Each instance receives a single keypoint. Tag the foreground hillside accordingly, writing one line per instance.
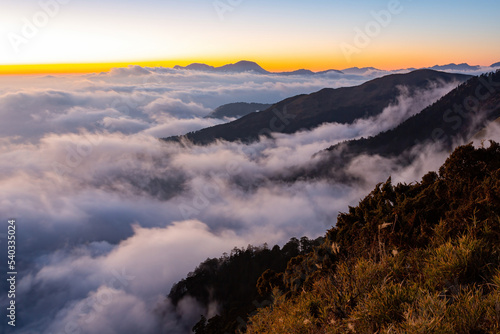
(410, 258)
(419, 258)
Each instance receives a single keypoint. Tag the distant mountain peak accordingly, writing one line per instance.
(250, 66)
(245, 63)
(302, 71)
(358, 71)
(242, 66)
(456, 67)
(195, 67)
(363, 68)
(305, 112)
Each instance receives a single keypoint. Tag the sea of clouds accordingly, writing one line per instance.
(109, 217)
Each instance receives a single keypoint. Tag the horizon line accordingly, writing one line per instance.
(99, 67)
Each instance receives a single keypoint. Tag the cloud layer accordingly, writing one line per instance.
(110, 217)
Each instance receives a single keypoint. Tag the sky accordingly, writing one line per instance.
(279, 35)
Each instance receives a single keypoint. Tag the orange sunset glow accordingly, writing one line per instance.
(43, 39)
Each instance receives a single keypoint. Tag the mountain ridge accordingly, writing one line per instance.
(243, 66)
(443, 124)
(450, 116)
(307, 111)
(237, 109)
(456, 67)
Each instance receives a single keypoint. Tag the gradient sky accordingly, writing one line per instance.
(277, 34)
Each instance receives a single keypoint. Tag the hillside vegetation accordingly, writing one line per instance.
(229, 283)
(409, 258)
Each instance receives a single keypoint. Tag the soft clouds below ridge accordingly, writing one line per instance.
(109, 217)
(135, 99)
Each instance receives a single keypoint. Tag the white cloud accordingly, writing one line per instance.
(101, 289)
(97, 193)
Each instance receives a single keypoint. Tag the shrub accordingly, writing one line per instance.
(426, 315)
(453, 263)
(382, 307)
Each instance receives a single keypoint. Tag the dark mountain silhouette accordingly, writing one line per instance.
(195, 67)
(359, 71)
(451, 118)
(329, 71)
(233, 278)
(495, 64)
(248, 66)
(455, 67)
(298, 72)
(237, 109)
(239, 67)
(242, 66)
(302, 112)
(308, 72)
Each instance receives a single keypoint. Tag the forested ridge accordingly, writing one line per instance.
(229, 283)
(342, 105)
(409, 258)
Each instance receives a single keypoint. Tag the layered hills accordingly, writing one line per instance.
(454, 118)
(304, 112)
(246, 66)
(409, 258)
(237, 110)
